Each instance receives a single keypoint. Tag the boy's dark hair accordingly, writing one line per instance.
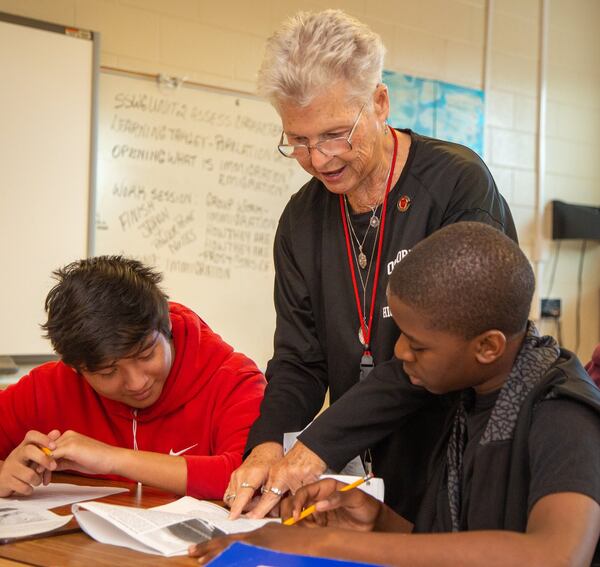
(467, 278)
(102, 309)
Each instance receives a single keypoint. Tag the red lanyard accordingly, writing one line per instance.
(366, 329)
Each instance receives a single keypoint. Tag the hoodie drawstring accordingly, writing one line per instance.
(134, 429)
(135, 445)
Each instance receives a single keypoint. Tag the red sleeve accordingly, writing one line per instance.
(17, 411)
(239, 394)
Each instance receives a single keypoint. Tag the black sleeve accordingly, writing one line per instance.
(297, 373)
(563, 450)
(475, 197)
(366, 414)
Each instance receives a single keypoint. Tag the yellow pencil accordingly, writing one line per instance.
(46, 451)
(308, 511)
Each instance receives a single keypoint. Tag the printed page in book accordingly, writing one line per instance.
(165, 530)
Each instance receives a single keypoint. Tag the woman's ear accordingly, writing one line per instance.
(381, 102)
(489, 346)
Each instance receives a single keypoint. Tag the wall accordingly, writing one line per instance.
(573, 152)
(221, 43)
(572, 171)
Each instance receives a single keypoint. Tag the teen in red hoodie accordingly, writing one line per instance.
(144, 389)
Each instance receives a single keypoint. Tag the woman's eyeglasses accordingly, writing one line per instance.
(330, 148)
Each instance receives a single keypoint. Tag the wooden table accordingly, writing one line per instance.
(78, 549)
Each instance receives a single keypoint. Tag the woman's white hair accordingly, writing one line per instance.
(313, 51)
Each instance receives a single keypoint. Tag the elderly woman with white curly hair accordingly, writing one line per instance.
(375, 193)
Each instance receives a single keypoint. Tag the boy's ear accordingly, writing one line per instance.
(489, 346)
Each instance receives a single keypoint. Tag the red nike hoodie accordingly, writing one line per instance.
(209, 401)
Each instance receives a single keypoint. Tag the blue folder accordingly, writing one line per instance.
(244, 555)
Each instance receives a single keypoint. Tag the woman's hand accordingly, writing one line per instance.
(353, 509)
(272, 536)
(80, 453)
(299, 467)
(267, 469)
(247, 480)
(27, 465)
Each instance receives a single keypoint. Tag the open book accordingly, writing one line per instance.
(164, 530)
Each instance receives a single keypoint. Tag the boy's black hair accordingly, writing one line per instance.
(467, 278)
(102, 309)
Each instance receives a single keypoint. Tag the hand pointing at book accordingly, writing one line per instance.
(266, 468)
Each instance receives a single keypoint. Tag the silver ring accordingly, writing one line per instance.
(273, 490)
(229, 497)
(247, 485)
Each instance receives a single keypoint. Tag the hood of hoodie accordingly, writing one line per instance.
(192, 367)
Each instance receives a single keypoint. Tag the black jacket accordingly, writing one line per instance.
(316, 337)
(500, 482)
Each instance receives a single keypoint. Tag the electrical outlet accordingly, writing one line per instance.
(551, 308)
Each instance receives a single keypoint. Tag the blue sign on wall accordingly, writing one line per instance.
(434, 108)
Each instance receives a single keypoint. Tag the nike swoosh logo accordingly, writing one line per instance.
(176, 454)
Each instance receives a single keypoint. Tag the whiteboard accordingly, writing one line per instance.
(190, 181)
(46, 135)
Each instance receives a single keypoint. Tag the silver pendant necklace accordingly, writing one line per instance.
(374, 222)
(364, 280)
(361, 257)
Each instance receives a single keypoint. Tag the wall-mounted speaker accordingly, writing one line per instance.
(575, 221)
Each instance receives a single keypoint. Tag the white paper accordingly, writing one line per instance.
(58, 494)
(166, 530)
(289, 439)
(16, 522)
(103, 531)
(189, 505)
